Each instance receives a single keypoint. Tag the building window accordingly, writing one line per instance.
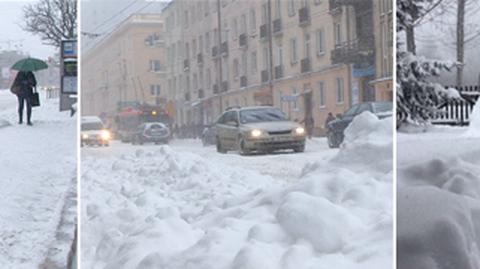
(291, 7)
(195, 82)
(295, 103)
(207, 43)
(280, 55)
(155, 65)
(206, 7)
(306, 39)
(244, 63)
(340, 91)
(235, 28)
(253, 21)
(278, 9)
(337, 33)
(200, 44)
(209, 78)
(321, 94)
(155, 90)
(265, 58)
(320, 42)
(185, 19)
(293, 51)
(243, 24)
(235, 69)
(254, 63)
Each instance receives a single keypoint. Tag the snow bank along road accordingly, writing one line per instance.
(36, 176)
(185, 206)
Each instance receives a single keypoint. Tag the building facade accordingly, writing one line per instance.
(126, 66)
(319, 57)
(383, 23)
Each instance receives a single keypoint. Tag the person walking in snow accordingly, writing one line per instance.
(23, 84)
(309, 125)
(330, 117)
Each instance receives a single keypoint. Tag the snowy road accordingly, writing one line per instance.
(186, 206)
(288, 166)
(37, 174)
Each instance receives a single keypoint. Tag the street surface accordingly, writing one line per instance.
(183, 205)
(37, 179)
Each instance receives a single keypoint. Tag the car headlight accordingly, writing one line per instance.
(106, 135)
(256, 133)
(300, 131)
(84, 136)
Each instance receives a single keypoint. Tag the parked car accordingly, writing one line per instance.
(262, 128)
(336, 128)
(153, 132)
(208, 136)
(93, 132)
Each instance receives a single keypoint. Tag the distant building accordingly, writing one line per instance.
(322, 57)
(7, 59)
(127, 65)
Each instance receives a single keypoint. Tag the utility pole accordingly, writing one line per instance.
(219, 53)
(270, 50)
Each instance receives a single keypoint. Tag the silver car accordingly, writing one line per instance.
(262, 128)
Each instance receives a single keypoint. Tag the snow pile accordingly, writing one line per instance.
(168, 209)
(438, 201)
(368, 141)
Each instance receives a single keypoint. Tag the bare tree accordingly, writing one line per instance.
(52, 20)
(460, 40)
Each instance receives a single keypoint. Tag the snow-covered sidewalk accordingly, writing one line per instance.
(185, 206)
(439, 197)
(38, 168)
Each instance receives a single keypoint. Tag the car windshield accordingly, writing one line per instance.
(383, 107)
(156, 126)
(261, 115)
(92, 126)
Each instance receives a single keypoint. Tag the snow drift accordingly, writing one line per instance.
(169, 209)
(438, 216)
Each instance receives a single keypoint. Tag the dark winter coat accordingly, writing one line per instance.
(329, 119)
(26, 82)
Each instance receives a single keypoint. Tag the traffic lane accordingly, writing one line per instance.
(284, 165)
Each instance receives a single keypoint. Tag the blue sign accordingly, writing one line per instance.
(363, 70)
(289, 98)
(69, 48)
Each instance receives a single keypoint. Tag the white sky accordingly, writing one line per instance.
(10, 18)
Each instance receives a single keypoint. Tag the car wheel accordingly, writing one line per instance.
(332, 140)
(241, 146)
(220, 148)
(299, 149)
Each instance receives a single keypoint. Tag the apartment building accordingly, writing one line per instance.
(126, 66)
(319, 57)
(383, 23)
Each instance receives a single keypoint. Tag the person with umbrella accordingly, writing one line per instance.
(24, 84)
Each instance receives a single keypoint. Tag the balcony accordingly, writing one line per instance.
(242, 40)
(263, 31)
(335, 5)
(201, 94)
(355, 51)
(224, 86)
(304, 17)
(243, 81)
(277, 27)
(186, 65)
(215, 88)
(306, 65)
(264, 75)
(200, 59)
(215, 52)
(278, 71)
(224, 48)
(187, 96)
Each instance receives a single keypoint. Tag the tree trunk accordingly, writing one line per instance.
(460, 40)
(410, 31)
